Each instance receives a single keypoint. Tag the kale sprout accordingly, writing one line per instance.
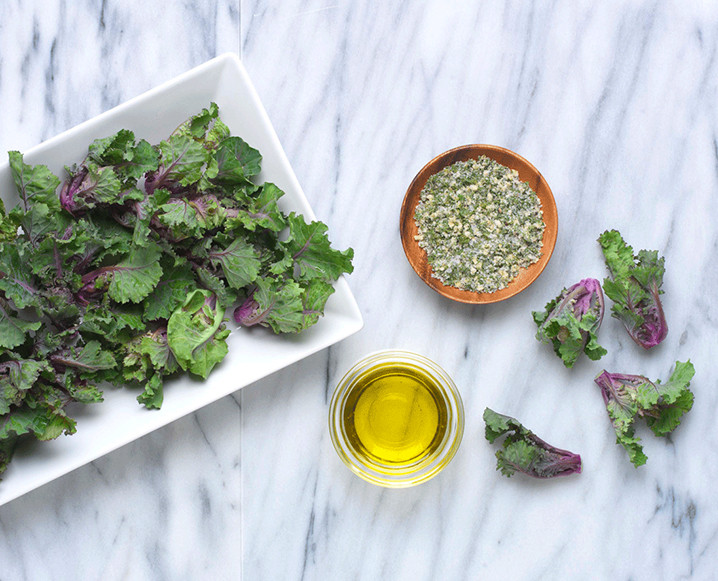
(571, 320)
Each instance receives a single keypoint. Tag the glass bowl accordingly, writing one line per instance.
(396, 418)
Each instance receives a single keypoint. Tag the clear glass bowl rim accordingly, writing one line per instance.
(411, 474)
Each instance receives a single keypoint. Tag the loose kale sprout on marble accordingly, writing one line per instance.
(661, 405)
(523, 451)
(634, 287)
(571, 320)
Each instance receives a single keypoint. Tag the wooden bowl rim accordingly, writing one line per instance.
(527, 172)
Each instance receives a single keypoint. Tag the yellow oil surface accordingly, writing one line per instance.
(395, 415)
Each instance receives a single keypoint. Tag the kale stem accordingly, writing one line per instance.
(58, 260)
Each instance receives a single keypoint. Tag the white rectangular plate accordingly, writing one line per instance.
(253, 354)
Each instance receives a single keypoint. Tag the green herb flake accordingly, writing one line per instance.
(479, 225)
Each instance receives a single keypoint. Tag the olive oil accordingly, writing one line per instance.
(396, 418)
(395, 415)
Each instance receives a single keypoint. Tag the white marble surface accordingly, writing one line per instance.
(615, 102)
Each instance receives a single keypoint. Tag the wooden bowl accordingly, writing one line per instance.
(527, 173)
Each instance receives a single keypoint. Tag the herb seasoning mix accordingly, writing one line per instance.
(479, 224)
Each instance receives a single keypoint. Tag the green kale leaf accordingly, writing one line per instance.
(631, 397)
(571, 320)
(14, 330)
(88, 358)
(34, 184)
(17, 280)
(196, 333)
(206, 127)
(311, 252)
(239, 262)
(635, 289)
(133, 278)
(8, 229)
(128, 159)
(260, 210)
(181, 162)
(171, 291)
(236, 162)
(17, 377)
(523, 451)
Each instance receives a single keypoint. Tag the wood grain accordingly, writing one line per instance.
(527, 172)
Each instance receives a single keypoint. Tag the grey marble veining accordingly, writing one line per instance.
(614, 102)
(615, 105)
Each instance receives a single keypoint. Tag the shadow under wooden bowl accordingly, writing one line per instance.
(527, 173)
